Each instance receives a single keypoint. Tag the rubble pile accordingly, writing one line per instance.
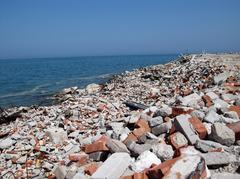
(177, 120)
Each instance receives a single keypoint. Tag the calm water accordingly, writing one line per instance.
(32, 81)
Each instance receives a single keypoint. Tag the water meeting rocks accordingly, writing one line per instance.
(172, 120)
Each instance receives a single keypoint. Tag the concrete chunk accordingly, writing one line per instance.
(113, 167)
(218, 158)
(57, 135)
(183, 125)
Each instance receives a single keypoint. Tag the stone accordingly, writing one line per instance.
(80, 175)
(191, 100)
(137, 149)
(212, 95)
(163, 151)
(116, 146)
(162, 128)
(92, 88)
(220, 78)
(188, 167)
(208, 146)
(222, 134)
(225, 175)
(165, 110)
(220, 104)
(6, 143)
(232, 115)
(134, 117)
(98, 156)
(178, 140)
(198, 114)
(56, 135)
(113, 167)
(183, 125)
(145, 160)
(218, 158)
(212, 117)
(155, 121)
(60, 172)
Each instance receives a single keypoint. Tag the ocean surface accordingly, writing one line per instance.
(25, 82)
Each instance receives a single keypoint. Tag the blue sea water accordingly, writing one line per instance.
(24, 82)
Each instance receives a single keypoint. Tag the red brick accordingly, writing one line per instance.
(91, 169)
(199, 127)
(130, 137)
(81, 158)
(186, 92)
(162, 169)
(179, 110)
(236, 128)
(143, 124)
(207, 100)
(98, 145)
(141, 175)
(236, 109)
(139, 132)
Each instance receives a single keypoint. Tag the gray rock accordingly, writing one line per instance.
(191, 100)
(60, 172)
(165, 110)
(162, 128)
(207, 145)
(92, 88)
(6, 143)
(222, 134)
(231, 114)
(98, 156)
(57, 135)
(220, 78)
(199, 114)
(80, 175)
(116, 146)
(218, 158)
(113, 167)
(183, 125)
(225, 175)
(212, 95)
(212, 117)
(155, 121)
(163, 151)
(220, 104)
(137, 149)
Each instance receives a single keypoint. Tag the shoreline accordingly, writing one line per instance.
(138, 113)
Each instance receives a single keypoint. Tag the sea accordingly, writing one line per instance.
(26, 82)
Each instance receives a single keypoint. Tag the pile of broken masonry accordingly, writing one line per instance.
(177, 120)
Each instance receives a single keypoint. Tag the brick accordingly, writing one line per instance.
(143, 124)
(159, 171)
(139, 132)
(98, 145)
(91, 169)
(236, 109)
(236, 129)
(180, 110)
(113, 167)
(81, 158)
(140, 175)
(130, 137)
(199, 127)
(207, 100)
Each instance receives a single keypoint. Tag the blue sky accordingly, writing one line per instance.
(49, 28)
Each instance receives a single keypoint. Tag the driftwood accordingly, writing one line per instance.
(135, 106)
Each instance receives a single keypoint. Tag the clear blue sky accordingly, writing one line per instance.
(48, 28)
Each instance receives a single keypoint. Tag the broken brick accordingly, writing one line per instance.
(143, 124)
(199, 127)
(207, 100)
(236, 129)
(236, 109)
(91, 169)
(81, 158)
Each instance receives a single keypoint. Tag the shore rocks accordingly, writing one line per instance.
(163, 121)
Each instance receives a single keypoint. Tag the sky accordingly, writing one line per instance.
(63, 28)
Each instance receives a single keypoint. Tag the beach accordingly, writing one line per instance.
(178, 119)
